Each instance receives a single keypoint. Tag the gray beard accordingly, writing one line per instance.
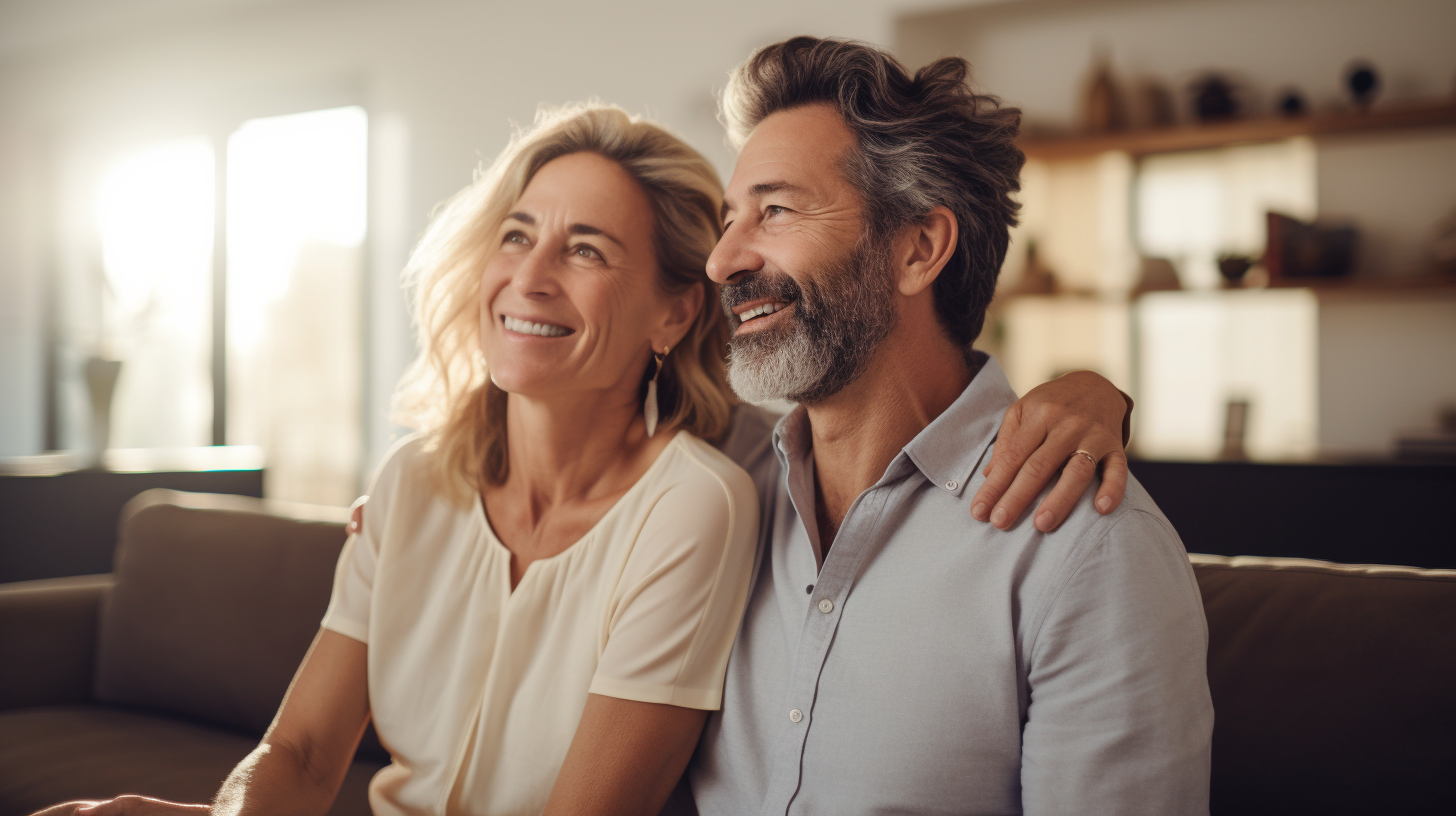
(843, 312)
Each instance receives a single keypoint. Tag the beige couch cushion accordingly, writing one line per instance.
(1334, 686)
(216, 600)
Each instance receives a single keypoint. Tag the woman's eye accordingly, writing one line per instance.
(515, 237)
(584, 251)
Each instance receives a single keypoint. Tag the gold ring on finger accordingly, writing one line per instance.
(1089, 456)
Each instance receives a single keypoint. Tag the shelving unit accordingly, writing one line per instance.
(1141, 142)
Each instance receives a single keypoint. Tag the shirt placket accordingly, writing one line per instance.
(836, 578)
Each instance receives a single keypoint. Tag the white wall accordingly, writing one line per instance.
(440, 80)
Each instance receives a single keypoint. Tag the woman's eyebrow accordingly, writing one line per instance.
(574, 229)
(587, 229)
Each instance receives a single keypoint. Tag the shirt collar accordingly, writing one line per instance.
(950, 448)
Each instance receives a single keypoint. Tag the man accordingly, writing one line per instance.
(893, 656)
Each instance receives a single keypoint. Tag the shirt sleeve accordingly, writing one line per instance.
(348, 612)
(676, 611)
(1119, 718)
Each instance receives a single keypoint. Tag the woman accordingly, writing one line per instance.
(538, 614)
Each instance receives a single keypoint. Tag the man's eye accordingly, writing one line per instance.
(774, 209)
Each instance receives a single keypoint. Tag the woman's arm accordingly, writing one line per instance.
(299, 765)
(1040, 437)
(626, 757)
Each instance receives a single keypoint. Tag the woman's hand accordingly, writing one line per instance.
(356, 516)
(1041, 435)
(124, 806)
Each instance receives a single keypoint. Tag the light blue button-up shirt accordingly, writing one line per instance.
(933, 664)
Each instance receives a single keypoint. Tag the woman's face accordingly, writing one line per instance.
(570, 300)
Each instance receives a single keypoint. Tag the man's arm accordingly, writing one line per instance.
(1119, 718)
(1044, 434)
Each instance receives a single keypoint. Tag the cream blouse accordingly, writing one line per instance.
(477, 690)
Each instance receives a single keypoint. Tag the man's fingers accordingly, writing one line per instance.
(1076, 475)
(1114, 482)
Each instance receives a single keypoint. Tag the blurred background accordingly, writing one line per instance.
(1242, 212)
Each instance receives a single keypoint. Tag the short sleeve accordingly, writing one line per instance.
(348, 612)
(676, 610)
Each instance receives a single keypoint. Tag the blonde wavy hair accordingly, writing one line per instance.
(447, 393)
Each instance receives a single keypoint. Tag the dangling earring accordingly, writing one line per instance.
(649, 409)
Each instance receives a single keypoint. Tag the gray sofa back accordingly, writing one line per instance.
(216, 600)
(1334, 686)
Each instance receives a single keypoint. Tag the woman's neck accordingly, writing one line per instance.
(573, 447)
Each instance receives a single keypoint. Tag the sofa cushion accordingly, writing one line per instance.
(216, 600)
(51, 755)
(1332, 685)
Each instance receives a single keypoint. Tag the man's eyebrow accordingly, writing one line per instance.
(763, 189)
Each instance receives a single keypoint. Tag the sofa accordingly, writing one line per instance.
(1334, 685)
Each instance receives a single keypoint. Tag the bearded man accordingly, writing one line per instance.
(893, 657)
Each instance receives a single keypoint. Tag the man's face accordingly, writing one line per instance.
(808, 293)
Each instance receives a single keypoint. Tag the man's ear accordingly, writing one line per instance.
(923, 249)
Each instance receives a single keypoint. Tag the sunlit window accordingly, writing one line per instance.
(1191, 207)
(296, 220)
(155, 212)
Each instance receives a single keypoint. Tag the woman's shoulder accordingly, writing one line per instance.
(697, 466)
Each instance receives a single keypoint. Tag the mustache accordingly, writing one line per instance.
(759, 286)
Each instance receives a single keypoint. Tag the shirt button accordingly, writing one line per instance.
(826, 606)
(950, 485)
(796, 715)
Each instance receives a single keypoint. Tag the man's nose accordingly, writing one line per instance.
(733, 255)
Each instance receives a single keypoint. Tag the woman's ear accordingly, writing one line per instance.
(683, 309)
(923, 249)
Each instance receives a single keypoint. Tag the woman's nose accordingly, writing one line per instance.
(536, 275)
(733, 254)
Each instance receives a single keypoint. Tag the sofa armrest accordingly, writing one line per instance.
(48, 639)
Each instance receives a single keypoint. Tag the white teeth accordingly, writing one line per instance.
(538, 329)
(765, 309)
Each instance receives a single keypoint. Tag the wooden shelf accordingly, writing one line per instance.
(1203, 137)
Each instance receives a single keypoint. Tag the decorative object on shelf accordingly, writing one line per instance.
(1214, 99)
(1156, 275)
(1363, 82)
(1102, 105)
(1442, 248)
(1235, 426)
(1036, 277)
(101, 375)
(1155, 105)
(1233, 267)
(1291, 103)
(1297, 250)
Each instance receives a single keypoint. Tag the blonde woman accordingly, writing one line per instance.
(539, 613)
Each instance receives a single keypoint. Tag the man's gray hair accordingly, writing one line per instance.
(924, 141)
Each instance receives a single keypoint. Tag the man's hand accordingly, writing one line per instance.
(124, 806)
(1040, 436)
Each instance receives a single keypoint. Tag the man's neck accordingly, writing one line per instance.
(913, 377)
